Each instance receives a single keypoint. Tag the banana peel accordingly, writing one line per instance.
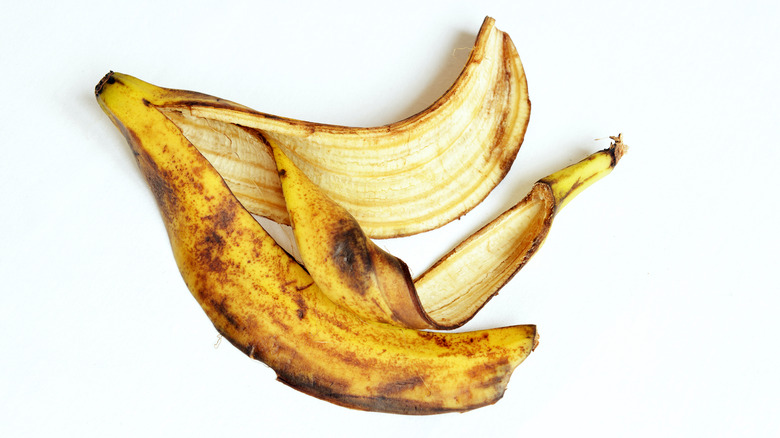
(457, 286)
(212, 163)
(355, 273)
(397, 180)
(267, 305)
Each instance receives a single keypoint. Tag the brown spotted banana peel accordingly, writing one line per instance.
(396, 180)
(268, 306)
(355, 273)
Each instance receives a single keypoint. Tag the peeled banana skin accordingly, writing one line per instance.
(268, 306)
(235, 140)
(396, 180)
(456, 287)
(345, 327)
(355, 273)
(347, 265)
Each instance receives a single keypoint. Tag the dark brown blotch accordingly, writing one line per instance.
(157, 179)
(209, 253)
(221, 307)
(105, 80)
(351, 254)
(440, 340)
(222, 219)
(492, 368)
(302, 307)
(400, 385)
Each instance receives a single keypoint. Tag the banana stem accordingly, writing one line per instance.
(567, 183)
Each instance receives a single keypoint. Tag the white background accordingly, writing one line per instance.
(655, 294)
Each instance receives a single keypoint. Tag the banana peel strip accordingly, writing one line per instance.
(355, 273)
(397, 180)
(461, 282)
(251, 150)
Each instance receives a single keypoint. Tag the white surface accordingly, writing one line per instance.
(655, 294)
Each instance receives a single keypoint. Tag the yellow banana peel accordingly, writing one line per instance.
(396, 180)
(349, 326)
(267, 305)
(461, 282)
(355, 273)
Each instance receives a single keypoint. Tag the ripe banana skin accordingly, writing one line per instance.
(396, 180)
(461, 282)
(347, 265)
(355, 273)
(268, 306)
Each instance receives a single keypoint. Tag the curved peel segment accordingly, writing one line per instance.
(461, 282)
(396, 180)
(346, 265)
(349, 267)
(456, 287)
(268, 306)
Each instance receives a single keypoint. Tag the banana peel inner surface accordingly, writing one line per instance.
(267, 305)
(354, 272)
(400, 179)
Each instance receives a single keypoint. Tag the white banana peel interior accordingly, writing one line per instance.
(355, 273)
(396, 180)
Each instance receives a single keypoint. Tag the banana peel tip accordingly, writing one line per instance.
(107, 79)
(618, 148)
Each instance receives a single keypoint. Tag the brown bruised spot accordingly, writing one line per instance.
(499, 367)
(351, 358)
(210, 249)
(106, 80)
(300, 288)
(220, 306)
(350, 254)
(156, 178)
(222, 219)
(302, 307)
(300, 301)
(195, 178)
(441, 341)
(400, 385)
(209, 253)
(215, 231)
(250, 321)
(163, 193)
(497, 381)
(282, 173)
(214, 239)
